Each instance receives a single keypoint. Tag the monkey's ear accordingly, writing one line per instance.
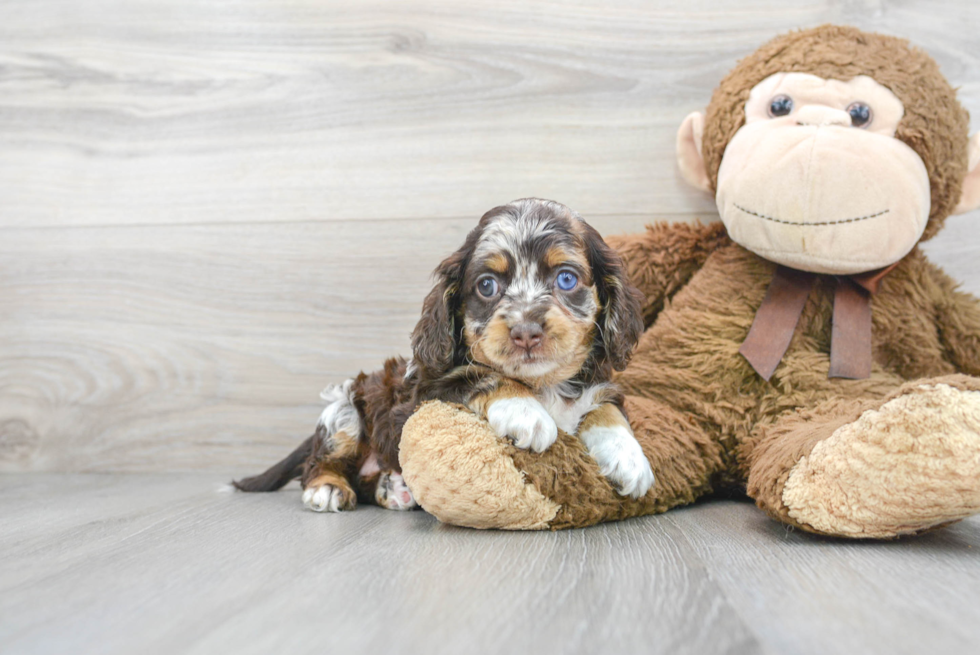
(970, 197)
(689, 158)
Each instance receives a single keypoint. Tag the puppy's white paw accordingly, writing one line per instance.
(328, 498)
(523, 420)
(620, 459)
(393, 493)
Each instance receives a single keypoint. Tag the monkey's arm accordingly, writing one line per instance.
(958, 320)
(662, 259)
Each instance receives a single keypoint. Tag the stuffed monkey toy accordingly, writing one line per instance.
(803, 349)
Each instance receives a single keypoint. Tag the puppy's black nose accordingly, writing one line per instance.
(526, 335)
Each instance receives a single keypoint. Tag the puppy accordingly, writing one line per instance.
(524, 326)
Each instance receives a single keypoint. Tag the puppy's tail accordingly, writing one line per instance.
(278, 474)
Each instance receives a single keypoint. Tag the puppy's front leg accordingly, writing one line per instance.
(514, 412)
(610, 441)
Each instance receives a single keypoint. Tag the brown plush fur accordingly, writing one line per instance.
(661, 260)
(704, 417)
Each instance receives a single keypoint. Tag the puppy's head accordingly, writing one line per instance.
(534, 293)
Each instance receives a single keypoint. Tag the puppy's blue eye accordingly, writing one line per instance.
(487, 287)
(566, 280)
(780, 106)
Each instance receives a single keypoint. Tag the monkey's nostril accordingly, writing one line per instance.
(526, 335)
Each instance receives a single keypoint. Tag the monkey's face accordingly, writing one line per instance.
(828, 175)
(816, 179)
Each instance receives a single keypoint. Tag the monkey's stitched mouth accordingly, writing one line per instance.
(837, 222)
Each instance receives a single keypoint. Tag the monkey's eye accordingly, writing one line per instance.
(566, 280)
(860, 114)
(487, 286)
(780, 106)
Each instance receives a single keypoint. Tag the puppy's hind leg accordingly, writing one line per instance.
(393, 493)
(384, 487)
(333, 460)
(326, 485)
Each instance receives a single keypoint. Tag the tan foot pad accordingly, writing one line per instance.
(460, 472)
(912, 464)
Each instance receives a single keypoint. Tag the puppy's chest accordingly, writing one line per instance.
(568, 412)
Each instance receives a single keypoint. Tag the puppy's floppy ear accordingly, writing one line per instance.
(621, 317)
(437, 335)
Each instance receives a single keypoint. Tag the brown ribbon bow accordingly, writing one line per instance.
(776, 319)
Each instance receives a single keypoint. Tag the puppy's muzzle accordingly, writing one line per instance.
(526, 336)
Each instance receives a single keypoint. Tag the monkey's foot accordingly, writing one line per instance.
(909, 465)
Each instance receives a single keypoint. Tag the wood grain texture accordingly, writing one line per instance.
(135, 112)
(117, 563)
(916, 595)
(210, 211)
(162, 564)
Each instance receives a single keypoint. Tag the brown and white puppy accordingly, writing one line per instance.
(525, 325)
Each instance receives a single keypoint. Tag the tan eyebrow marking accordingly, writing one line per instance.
(497, 263)
(556, 256)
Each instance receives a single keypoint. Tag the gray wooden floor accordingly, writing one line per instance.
(161, 563)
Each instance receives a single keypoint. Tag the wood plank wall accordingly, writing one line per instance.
(209, 210)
